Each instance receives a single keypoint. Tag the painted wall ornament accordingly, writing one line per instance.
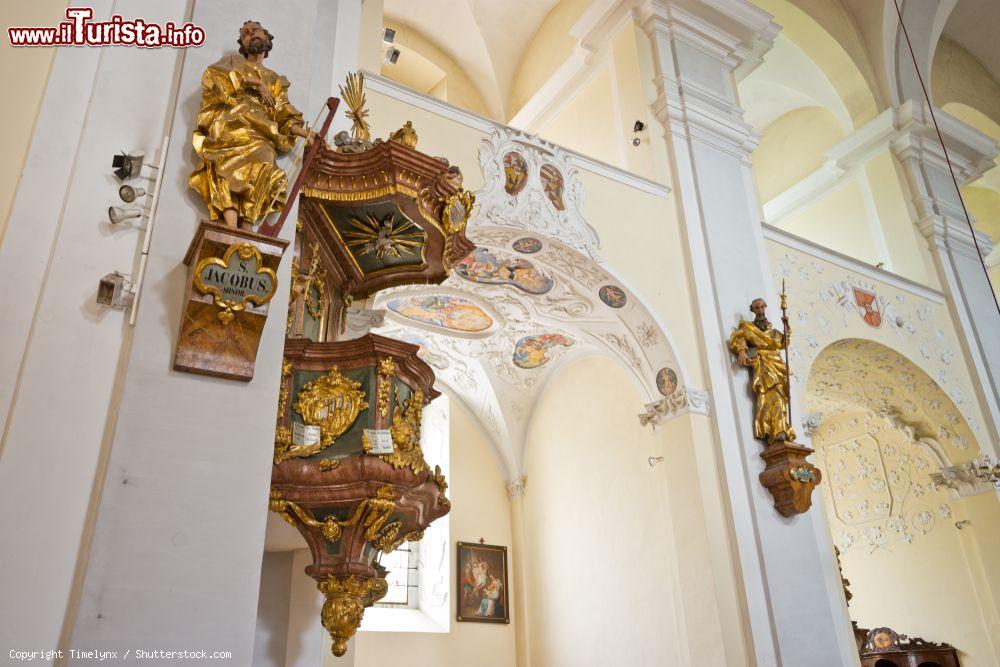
(613, 296)
(535, 351)
(758, 346)
(869, 307)
(548, 202)
(445, 311)
(245, 120)
(527, 245)
(485, 266)
(666, 381)
(515, 171)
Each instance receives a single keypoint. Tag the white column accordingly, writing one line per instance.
(941, 219)
(794, 617)
(61, 357)
(179, 534)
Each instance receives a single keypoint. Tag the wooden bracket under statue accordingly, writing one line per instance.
(789, 478)
(232, 276)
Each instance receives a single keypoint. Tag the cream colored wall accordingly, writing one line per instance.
(793, 147)
(839, 221)
(926, 577)
(598, 541)
(641, 243)
(588, 122)
(550, 46)
(956, 76)
(24, 72)
(825, 31)
(480, 508)
(460, 89)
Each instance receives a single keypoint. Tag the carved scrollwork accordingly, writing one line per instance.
(332, 402)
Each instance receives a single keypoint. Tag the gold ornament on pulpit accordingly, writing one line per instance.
(349, 470)
(788, 476)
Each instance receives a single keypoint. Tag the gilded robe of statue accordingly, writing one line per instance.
(770, 378)
(237, 137)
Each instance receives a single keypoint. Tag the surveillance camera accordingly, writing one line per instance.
(639, 126)
(388, 35)
(391, 56)
(115, 291)
(129, 194)
(120, 214)
(127, 165)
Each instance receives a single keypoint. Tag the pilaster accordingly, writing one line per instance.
(959, 252)
(179, 531)
(789, 612)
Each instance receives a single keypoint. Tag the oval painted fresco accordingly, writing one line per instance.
(445, 311)
(553, 182)
(666, 381)
(483, 266)
(613, 296)
(515, 171)
(527, 245)
(534, 351)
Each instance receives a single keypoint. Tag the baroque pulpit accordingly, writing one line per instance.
(349, 472)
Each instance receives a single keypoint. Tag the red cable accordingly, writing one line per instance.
(947, 158)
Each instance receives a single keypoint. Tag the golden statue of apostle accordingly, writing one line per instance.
(245, 120)
(758, 346)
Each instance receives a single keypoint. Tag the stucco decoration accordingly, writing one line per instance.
(861, 374)
(879, 491)
(915, 323)
(492, 373)
(547, 199)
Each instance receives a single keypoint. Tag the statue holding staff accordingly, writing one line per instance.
(758, 346)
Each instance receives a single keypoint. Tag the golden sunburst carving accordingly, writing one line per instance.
(382, 237)
(353, 95)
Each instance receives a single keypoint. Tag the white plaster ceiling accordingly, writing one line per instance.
(975, 24)
(570, 293)
(788, 79)
(486, 38)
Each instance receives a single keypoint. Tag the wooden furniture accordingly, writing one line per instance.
(883, 647)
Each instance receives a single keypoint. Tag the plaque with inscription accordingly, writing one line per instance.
(231, 280)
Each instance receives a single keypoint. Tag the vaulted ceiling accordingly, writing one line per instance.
(486, 37)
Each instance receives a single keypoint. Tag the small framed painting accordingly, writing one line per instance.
(482, 583)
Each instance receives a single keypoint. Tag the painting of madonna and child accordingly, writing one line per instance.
(482, 583)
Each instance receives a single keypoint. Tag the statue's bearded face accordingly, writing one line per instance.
(759, 308)
(254, 39)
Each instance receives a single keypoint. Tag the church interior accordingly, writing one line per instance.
(524, 333)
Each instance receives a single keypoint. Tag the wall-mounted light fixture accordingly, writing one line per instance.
(653, 460)
(391, 55)
(129, 194)
(388, 35)
(120, 214)
(115, 291)
(127, 165)
(638, 127)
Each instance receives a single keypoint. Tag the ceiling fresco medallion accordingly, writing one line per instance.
(448, 312)
(553, 182)
(869, 307)
(533, 351)
(515, 170)
(483, 266)
(527, 245)
(613, 296)
(666, 381)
